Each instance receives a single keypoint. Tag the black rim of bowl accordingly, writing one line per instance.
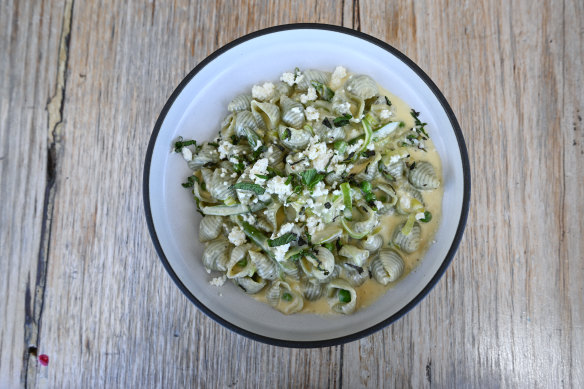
(378, 326)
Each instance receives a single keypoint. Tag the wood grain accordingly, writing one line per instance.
(79, 278)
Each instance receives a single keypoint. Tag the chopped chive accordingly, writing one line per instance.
(342, 120)
(248, 186)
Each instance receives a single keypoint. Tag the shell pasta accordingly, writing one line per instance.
(320, 191)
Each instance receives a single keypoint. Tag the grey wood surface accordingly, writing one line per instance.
(81, 85)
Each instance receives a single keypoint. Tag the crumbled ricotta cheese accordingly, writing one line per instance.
(354, 147)
(224, 148)
(342, 108)
(261, 168)
(371, 146)
(288, 78)
(262, 92)
(318, 153)
(280, 251)
(258, 145)
(311, 113)
(313, 225)
(237, 236)
(286, 228)
(277, 186)
(248, 218)
(394, 159)
(378, 204)
(218, 281)
(337, 77)
(320, 190)
(385, 114)
(187, 154)
(309, 96)
(420, 216)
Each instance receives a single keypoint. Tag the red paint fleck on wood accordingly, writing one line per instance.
(44, 359)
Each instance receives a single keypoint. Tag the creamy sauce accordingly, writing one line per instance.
(371, 290)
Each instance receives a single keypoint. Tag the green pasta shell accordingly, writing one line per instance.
(387, 267)
(332, 293)
(292, 112)
(216, 254)
(423, 176)
(310, 75)
(210, 227)
(410, 242)
(250, 285)
(239, 103)
(362, 86)
(269, 113)
(266, 267)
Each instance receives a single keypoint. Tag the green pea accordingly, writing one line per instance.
(287, 296)
(344, 296)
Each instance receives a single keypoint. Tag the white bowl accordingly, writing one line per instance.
(195, 109)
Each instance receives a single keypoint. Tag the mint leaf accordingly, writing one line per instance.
(258, 190)
(282, 240)
(342, 120)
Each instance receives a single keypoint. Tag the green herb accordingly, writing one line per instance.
(427, 217)
(367, 191)
(258, 152)
(288, 180)
(340, 146)
(238, 167)
(311, 177)
(179, 144)
(419, 124)
(381, 170)
(248, 186)
(327, 123)
(344, 296)
(282, 240)
(286, 134)
(342, 120)
(203, 186)
(387, 101)
(213, 144)
(402, 124)
(329, 246)
(234, 139)
(242, 263)
(286, 296)
(262, 176)
(190, 182)
(323, 90)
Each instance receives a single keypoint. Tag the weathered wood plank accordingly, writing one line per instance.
(509, 311)
(29, 39)
(112, 315)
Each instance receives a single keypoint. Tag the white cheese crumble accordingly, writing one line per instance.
(224, 149)
(420, 216)
(378, 204)
(262, 92)
(313, 225)
(288, 78)
(342, 108)
(309, 96)
(337, 77)
(354, 147)
(261, 168)
(237, 236)
(311, 113)
(385, 114)
(318, 153)
(280, 251)
(187, 154)
(277, 186)
(371, 146)
(218, 281)
(320, 190)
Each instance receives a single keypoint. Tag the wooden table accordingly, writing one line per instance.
(81, 85)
